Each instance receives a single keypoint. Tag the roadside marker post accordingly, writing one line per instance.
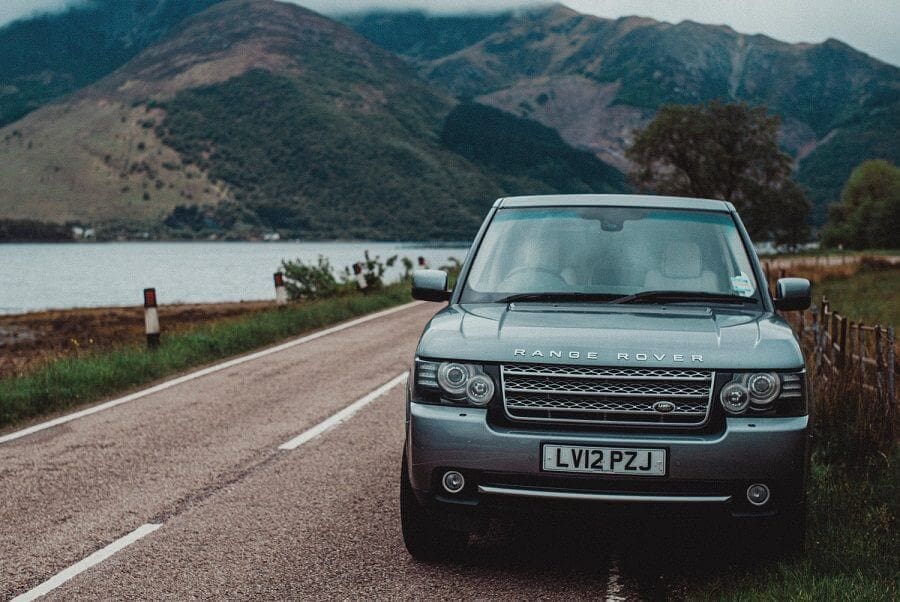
(360, 277)
(280, 291)
(151, 318)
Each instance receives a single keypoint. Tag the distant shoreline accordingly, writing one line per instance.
(425, 244)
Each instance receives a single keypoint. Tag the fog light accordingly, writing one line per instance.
(453, 481)
(757, 494)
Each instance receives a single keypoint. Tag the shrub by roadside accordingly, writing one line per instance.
(311, 280)
(317, 280)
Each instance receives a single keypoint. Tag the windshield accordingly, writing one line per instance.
(605, 253)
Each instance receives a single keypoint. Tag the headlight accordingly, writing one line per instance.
(781, 394)
(454, 382)
(453, 378)
(735, 397)
(764, 387)
(480, 390)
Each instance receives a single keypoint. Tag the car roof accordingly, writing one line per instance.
(613, 200)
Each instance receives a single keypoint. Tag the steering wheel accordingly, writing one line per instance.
(546, 271)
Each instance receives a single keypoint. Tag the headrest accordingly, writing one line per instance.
(534, 254)
(681, 259)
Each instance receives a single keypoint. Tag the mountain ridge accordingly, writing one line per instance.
(54, 54)
(255, 116)
(596, 80)
(127, 150)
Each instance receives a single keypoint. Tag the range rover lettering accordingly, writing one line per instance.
(606, 354)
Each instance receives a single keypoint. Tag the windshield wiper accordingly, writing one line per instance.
(561, 296)
(682, 296)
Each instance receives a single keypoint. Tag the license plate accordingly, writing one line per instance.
(605, 460)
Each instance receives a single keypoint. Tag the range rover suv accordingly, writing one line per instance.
(606, 354)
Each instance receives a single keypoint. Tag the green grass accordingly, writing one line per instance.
(831, 252)
(870, 296)
(852, 549)
(78, 380)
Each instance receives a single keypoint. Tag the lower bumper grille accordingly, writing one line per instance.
(617, 396)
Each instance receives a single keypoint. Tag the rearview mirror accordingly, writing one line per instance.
(792, 294)
(430, 285)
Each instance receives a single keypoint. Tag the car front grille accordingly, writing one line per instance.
(598, 395)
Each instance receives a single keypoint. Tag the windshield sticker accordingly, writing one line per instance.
(742, 285)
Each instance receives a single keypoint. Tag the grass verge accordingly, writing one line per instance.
(852, 549)
(869, 296)
(73, 381)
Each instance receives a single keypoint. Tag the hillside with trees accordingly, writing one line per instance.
(596, 81)
(258, 116)
(235, 118)
(54, 54)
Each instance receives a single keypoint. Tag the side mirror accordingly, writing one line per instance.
(430, 285)
(792, 294)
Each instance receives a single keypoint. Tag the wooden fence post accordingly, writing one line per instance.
(891, 392)
(801, 326)
(814, 326)
(861, 350)
(848, 357)
(842, 342)
(820, 333)
(879, 364)
(833, 337)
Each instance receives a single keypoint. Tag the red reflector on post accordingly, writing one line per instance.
(357, 268)
(149, 297)
(279, 279)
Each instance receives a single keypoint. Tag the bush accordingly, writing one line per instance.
(452, 268)
(310, 281)
(372, 270)
(317, 280)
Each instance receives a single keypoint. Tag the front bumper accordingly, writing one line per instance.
(706, 472)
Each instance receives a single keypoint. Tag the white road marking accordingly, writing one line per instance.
(344, 415)
(83, 565)
(614, 590)
(200, 373)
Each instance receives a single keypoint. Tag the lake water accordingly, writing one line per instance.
(56, 276)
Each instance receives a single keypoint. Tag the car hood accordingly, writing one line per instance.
(611, 335)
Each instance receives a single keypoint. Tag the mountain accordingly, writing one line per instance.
(596, 80)
(54, 54)
(254, 115)
(422, 36)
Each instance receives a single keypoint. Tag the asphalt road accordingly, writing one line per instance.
(240, 518)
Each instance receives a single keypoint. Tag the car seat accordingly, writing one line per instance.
(681, 269)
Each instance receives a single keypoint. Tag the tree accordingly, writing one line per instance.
(869, 210)
(728, 152)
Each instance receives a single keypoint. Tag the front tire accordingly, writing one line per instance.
(424, 537)
(789, 533)
(783, 537)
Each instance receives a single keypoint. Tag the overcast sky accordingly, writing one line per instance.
(872, 26)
